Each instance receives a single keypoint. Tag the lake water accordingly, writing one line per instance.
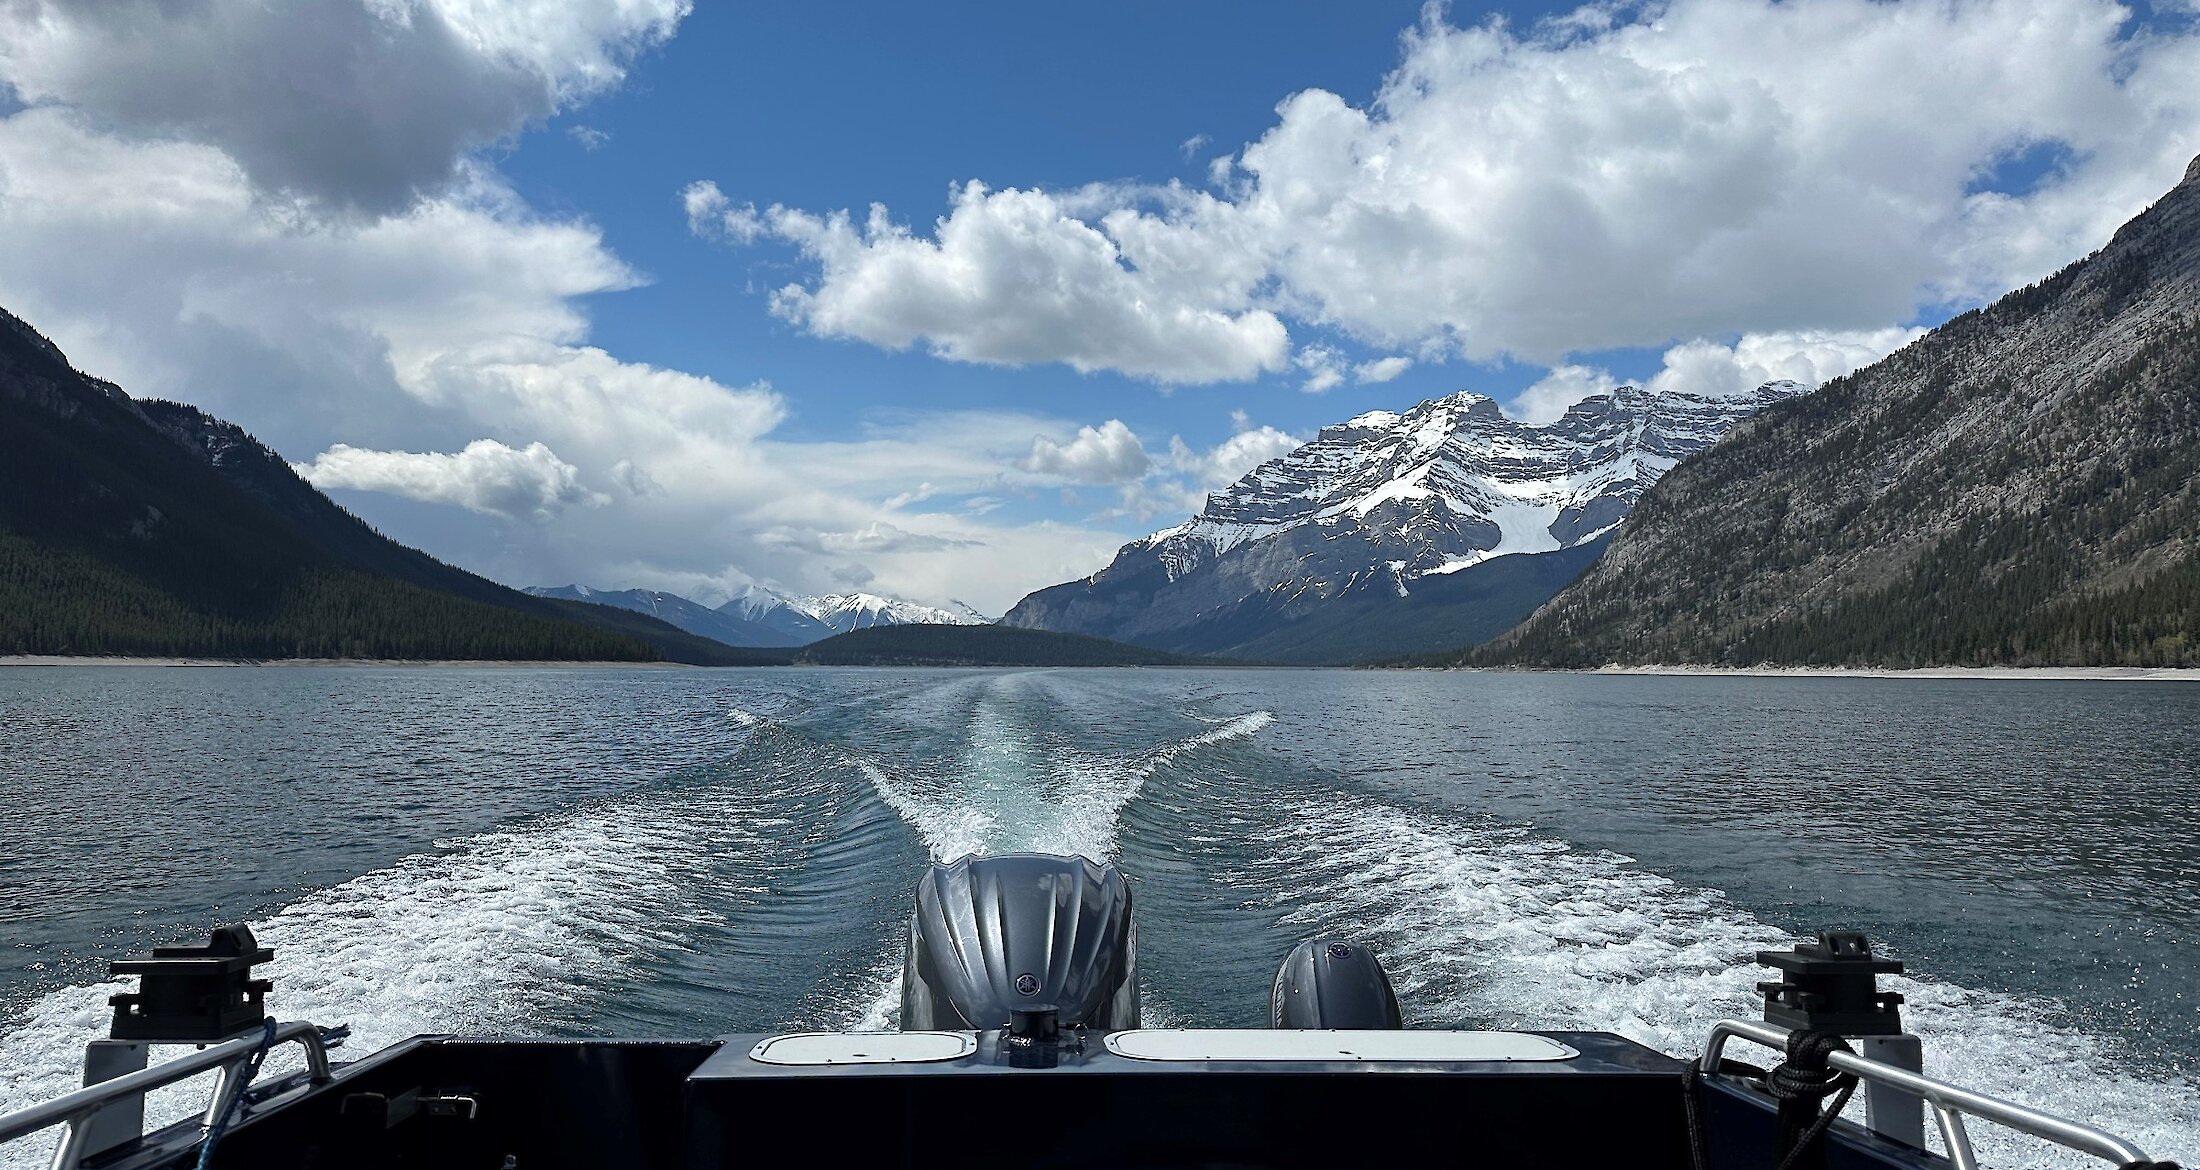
(685, 853)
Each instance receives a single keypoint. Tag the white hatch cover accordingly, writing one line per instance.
(1248, 1044)
(818, 1048)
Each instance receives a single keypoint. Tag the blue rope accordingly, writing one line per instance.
(236, 1097)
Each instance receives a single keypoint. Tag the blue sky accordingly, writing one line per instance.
(556, 290)
(895, 104)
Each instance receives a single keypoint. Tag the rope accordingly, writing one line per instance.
(1692, 1075)
(1804, 1075)
(1818, 1128)
(1799, 1083)
(236, 1097)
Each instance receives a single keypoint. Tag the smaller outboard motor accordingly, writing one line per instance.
(1003, 941)
(1330, 983)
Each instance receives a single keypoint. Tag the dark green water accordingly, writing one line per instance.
(692, 852)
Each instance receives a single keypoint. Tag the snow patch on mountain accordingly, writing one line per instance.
(861, 611)
(1454, 482)
(1396, 531)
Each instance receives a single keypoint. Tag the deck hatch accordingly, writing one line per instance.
(824, 1048)
(1231, 1044)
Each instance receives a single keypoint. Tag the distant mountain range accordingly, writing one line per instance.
(774, 619)
(761, 618)
(861, 611)
(744, 621)
(2020, 486)
(1440, 526)
(150, 528)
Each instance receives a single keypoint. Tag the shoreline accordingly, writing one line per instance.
(1990, 673)
(43, 660)
(2038, 673)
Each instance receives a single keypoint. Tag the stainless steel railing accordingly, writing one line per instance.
(225, 1059)
(1950, 1103)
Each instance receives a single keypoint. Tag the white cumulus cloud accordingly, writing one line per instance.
(1381, 370)
(1228, 461)
(1179, 484)
(1108, 453)
(1612, 178)
(1016, 277)
(155, 262)
(711, 215)
(357, 103)
(529, 483)
(1810, 358)
(1324, 368)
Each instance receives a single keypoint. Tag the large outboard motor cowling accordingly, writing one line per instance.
(1332, 983)
(1021, 932)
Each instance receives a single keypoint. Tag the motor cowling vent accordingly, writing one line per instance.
(992, 936)
(1332, 983)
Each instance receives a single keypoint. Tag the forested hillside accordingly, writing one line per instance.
(2021, 486)
(149, 528)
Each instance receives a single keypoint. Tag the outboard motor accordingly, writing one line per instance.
(1331, 983)
(1021, 934)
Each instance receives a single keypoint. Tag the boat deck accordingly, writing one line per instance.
(985, 1101)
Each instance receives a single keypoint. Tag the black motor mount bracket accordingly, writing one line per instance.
(194, 995)
(1832, 985)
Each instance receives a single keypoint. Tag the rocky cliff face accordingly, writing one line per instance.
(2022, 485)
(1379, 503)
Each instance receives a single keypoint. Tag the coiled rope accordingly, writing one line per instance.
(1799, 1083)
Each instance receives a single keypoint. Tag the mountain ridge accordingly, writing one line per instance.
(146, 527)
(1384, 504)
(2021, 486)
(845, 612)
(763, 618)
(782, 616)
(727, 624)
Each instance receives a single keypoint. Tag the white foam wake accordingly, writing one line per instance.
(1007, 794)
(1492, 927)
(500, 933)
(1010, 796)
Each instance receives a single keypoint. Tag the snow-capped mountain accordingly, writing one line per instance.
(1453, 481)
(860, 611)
(724, 624)
(1389, 502)
(777, 614)
(756, 616)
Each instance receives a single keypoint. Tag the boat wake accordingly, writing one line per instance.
(770, 889)
(1011, 790)
(1487, 925)
(1010, 794)
(492, 935)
